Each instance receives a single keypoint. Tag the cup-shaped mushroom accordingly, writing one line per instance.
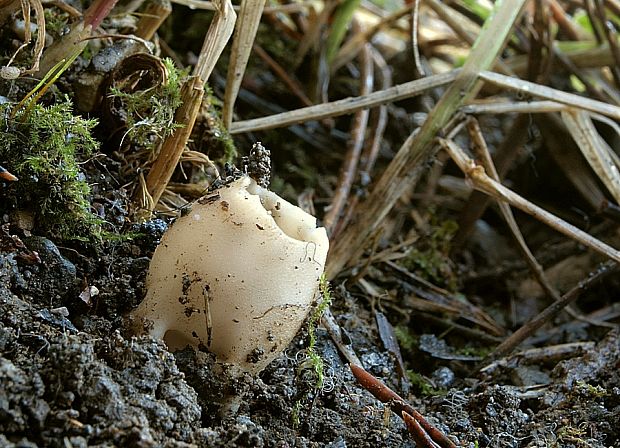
(237, 275)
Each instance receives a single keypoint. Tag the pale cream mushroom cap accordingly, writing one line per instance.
(237, 275)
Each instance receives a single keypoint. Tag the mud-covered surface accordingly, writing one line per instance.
(70, 376)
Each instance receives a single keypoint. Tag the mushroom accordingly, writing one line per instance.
(237, 275)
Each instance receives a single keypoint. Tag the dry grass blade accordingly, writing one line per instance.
(173, 146)
(213, 6)
(512, 107)
(191, 98)
(216, 39)
(245, 32)
(590, 57)
(403, 171)
(487, 185)
(597, 152)
(549, 93)
(40, 42)
(345, 106)
(484, 155)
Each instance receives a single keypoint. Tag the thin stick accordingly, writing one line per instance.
(346, 105)
(4, 174)
(487, 185)
(534, 89)
(550, 312)
(419, 436)
(284, 76)
(329, 322)
(213, 6)
(217, 36)
(415, 21)
(511, 107)
(356, 142)
(483, 153)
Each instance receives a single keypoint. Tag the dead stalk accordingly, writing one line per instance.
(549, 93)
(484, 183)
(355, 144)
(191, 97)
(172, 148)
(245, 31)
(345, 106)
(550, 312)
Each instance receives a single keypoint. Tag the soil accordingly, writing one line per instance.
(70, 376)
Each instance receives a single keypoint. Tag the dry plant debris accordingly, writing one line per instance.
(463, 156)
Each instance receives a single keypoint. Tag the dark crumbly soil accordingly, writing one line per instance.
(71, 377)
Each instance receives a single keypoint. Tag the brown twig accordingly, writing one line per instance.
(551, 311)
(419, 436)
(284, 76)
(172, 148)
(4, 174)
(356, 141)
(192, 93)
(483, 182)
(386, 395)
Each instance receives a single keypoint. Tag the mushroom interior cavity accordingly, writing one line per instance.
(237, 275)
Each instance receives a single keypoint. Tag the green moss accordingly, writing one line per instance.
(56, 22)
(42, 147)
(405, 338)
(313, 361)
(589, 390)
(422, 386)
(480, 352)
(296, 414)
(215, 139)
(430, 258)
(149, 113)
